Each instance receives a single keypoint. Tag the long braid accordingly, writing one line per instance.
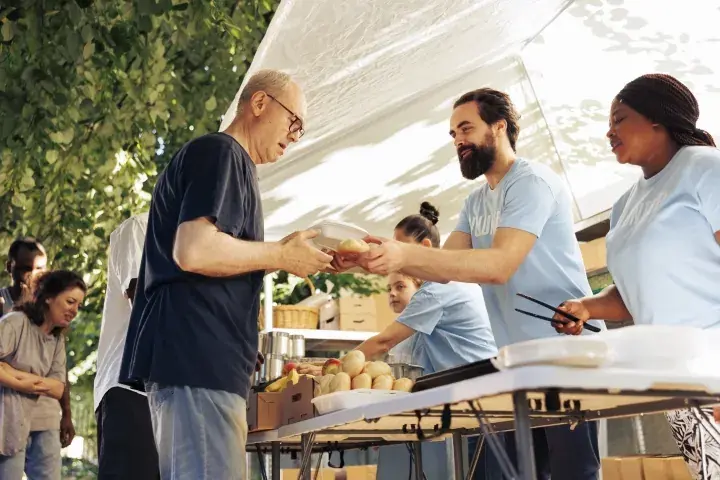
(665, 100)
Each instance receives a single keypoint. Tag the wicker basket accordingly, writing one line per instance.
(293, 316)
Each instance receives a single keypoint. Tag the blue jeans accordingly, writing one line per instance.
(200, 434)
(39, 461)
(567, 454)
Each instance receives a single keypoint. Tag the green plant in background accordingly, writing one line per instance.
(96, 96)
(289, 290)
(73, 469)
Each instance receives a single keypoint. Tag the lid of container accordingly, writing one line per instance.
(278, 334)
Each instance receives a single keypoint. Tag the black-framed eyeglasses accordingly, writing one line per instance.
(296, 125)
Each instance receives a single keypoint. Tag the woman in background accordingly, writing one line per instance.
(663, 248)
(33, 364)
(447, 325)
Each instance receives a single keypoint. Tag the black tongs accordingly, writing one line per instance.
(569, 316)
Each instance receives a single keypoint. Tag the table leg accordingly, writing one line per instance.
(476, 458)
(418, 461)
(275, 461)
(457, 444)
(523, 437)
(306, 443)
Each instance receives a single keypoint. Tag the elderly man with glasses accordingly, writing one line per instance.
(192, 340)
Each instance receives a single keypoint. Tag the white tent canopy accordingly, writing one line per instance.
(381, 76)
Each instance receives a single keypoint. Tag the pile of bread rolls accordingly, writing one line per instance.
(352, 372)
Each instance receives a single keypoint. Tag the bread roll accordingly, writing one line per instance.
(403, 385)
(377, 368)
(383, 382)
(362, 381)
(340, 383)
(352, 245)
(353, 363)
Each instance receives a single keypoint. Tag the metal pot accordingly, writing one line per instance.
(277, 343)
(406, 370)
(297, 346)
(271, 369)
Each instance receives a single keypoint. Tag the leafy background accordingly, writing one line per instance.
(95, 97)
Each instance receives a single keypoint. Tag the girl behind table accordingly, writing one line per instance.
(446, 325)
(32, 364)
(663, 247)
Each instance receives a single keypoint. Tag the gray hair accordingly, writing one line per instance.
(270, 81)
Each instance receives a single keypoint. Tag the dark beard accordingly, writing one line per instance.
(478, 162)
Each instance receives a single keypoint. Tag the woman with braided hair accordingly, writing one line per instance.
(663, 248)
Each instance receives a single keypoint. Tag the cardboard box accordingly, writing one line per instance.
(360, 472)
(631, 468)
(385, 315)
(679, 470)
(264, 411)
(650, 467)
(297, 401)
(594, 254)
(666, 467)
(292, 474)
(610, 467)
(333, 323)
(358, 314)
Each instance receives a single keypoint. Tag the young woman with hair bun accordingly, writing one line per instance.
(443, 326)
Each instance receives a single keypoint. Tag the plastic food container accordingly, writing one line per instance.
(566, 351)
(332, 233)
(333, 402)
(666, 348)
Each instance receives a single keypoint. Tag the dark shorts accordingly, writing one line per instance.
(126, 447)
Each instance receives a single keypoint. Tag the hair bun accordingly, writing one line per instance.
(428, 211)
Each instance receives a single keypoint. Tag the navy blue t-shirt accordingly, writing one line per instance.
(188, 329)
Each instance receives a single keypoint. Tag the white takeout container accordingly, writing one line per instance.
(665, 348)
(659, 348)
(332, 233)
(332, 402)
(569, 351)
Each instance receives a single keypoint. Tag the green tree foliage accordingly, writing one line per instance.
(95, 97)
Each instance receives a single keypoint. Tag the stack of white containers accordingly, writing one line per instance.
(670, 349)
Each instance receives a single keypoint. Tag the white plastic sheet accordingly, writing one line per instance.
(380, 77)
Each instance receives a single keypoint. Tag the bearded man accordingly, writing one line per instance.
(515, 235)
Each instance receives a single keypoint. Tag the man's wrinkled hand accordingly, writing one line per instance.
(301, 258)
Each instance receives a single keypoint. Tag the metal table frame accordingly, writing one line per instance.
(531, 397)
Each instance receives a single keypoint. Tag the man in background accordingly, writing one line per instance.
(51, 423)
(126, 447)
(26, 257)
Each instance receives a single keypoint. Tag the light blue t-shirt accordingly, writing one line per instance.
(661, 249)
(532, 198)
(451, 325)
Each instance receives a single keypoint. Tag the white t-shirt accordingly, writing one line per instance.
(126, 247)
(661, 248)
